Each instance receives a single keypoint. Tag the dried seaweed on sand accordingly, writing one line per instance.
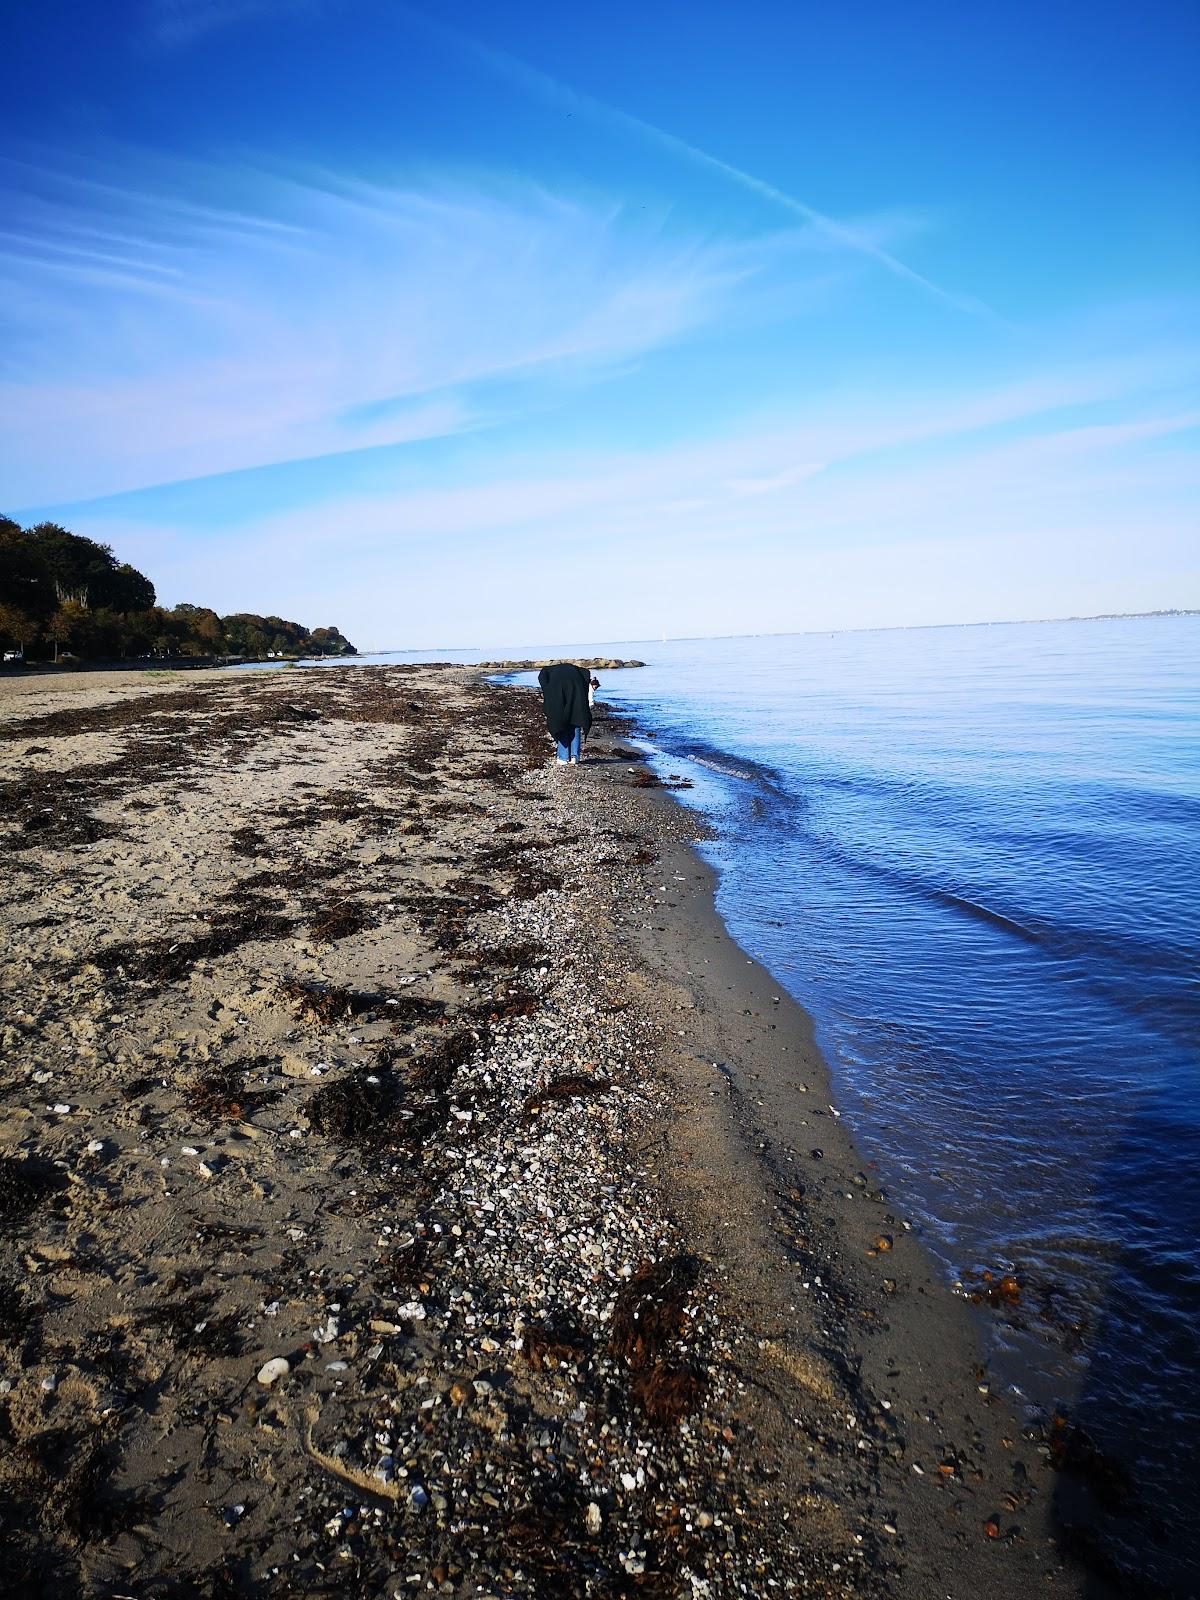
(650, 1310)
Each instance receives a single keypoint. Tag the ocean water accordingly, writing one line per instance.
(973, 854)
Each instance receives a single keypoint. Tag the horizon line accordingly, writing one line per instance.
(810, 633)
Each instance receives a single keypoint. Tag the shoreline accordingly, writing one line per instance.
(831, 1260)
(544, 1129)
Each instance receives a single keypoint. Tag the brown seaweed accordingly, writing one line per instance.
(649, 1313)
(571, 1086)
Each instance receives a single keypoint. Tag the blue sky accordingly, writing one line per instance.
(490, 323)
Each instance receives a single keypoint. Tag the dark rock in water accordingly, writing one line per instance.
(593, 664)
(997, 1291)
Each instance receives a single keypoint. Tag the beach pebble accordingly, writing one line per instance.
(190, 1150)
(328, 1332)
(95, 1146)
(61, 1109)
(418, 1497)
(411, 1311)
(592, 1518)
(271, 1371)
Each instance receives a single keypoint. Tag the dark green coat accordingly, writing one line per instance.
(565, 699)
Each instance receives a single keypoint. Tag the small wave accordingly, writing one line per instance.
(974, 908)
(686, 747)
(723, 768)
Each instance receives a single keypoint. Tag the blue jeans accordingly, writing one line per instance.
(567, 751)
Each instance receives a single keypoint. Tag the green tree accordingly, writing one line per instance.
(17, 627)
(67, 621)
(125, 589)
(26, 581)
(205, 627)
(76, 564)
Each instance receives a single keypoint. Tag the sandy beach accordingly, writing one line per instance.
(409, 1187)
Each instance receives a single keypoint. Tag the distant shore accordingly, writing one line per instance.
(348, 1034)
(156, 664)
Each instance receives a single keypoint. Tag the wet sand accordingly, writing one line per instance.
(343, 1031)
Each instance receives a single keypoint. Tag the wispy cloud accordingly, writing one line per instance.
(180, 22)
(158, 332)
(889, 507)
(843, 234)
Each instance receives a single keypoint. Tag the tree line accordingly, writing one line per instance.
(63, 594)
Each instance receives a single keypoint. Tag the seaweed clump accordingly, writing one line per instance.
(360, 1109)
(325, 1002)
(162, 961)
(648, 1318)
(25, 1185)
(507, 1007)
(338, 920)
(668, 1392)
(51, 810)
(550, 1343)
(571, 1086)
(221, 1095)
(650, 1310)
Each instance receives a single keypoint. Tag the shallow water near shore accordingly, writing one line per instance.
(972, 854)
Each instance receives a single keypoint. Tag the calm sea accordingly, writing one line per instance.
(973, 854)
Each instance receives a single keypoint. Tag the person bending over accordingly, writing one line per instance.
(568, 714)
